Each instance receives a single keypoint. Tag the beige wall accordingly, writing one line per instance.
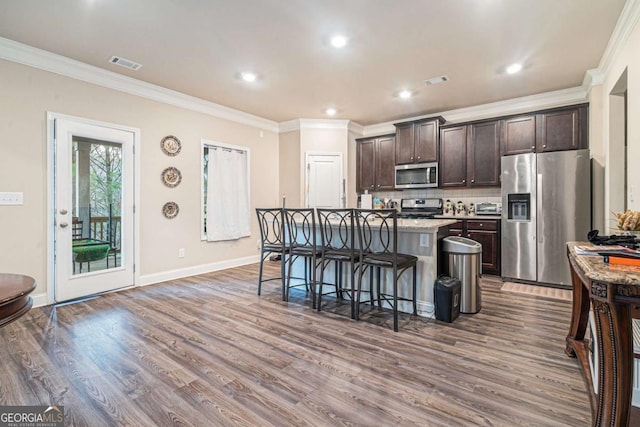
(290, 168)
(628, 59)
(27, 95)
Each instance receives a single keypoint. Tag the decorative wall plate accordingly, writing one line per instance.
(170, 145)
(170, 210)
(171, 176)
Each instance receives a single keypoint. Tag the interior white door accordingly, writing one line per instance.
(94, 195)
(325, 184)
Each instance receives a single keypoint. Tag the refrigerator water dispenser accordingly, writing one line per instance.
(519, 206)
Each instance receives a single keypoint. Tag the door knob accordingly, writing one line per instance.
(63, 225)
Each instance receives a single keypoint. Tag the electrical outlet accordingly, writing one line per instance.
(424, 240)
(259, 243)
(181, 253)
(11, 198)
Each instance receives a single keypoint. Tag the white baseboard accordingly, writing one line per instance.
(164, 276)
(40, 300)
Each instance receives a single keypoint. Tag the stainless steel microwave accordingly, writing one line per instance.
(420, 175)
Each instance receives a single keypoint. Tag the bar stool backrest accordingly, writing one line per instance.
(301, 227)
(337, 229)
(377, 231)
(272, 228)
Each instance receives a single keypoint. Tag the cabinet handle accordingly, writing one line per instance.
(459, 234)
(468, 235)
(533, 148)
(464, 181)
(473, 180)
(544, 146)
(418, 157)
(412, 157)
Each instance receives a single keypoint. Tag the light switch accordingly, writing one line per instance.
(11, 198)
(424, 240)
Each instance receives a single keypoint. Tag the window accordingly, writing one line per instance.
(225, 192)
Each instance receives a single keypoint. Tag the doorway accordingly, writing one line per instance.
(325, 185)
(93, 185)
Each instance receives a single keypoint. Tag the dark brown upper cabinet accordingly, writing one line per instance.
(483, 154)
(518, 135)
(562, 130)
(552, 130)
(375, 163)
(453, 156)
(470, 155)
(417, 142)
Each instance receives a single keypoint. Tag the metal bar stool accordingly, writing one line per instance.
(337, 232)
(301, 243)
(272, 242)
(378, 239)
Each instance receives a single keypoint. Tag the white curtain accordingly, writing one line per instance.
(228, 215)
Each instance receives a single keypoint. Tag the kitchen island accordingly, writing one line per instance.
(419, 237)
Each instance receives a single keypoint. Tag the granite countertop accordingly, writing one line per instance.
(594, 268)
(415, 224)
(459, 217)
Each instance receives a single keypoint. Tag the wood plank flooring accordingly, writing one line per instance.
(207, 351)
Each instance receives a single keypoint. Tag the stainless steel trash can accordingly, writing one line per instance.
(465, 263)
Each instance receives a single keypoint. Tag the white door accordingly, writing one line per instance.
(94, 186)
(325, 185)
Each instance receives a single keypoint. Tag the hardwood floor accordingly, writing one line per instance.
(207, 350)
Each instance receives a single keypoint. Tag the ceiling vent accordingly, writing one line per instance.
(436, 80)
(125, 63)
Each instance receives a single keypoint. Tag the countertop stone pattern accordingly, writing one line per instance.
(595, 268)
(478, 217)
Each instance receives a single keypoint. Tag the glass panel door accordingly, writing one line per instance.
(94, 208)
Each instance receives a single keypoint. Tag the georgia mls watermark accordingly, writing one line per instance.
(31, 416)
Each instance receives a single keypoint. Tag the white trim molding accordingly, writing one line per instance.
(150, 279)
(27, 55)
(523, 104)
(300, 124)
(626, 22)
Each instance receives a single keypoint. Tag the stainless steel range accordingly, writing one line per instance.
(420, 208)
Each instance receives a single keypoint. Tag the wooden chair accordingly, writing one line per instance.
(76, 228)
(378, 240)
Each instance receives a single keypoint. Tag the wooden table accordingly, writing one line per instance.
(614, 294)
(14, 296)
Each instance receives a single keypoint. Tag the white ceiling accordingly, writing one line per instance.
(198, 47)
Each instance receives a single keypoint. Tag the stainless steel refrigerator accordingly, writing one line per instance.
(546, 201)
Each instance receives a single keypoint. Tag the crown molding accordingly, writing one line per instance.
(626, 22)
(37, 58)
(290, 126)
(356, 128)
(523, 104)
(304, 124)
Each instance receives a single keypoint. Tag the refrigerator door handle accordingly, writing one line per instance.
(538, 208)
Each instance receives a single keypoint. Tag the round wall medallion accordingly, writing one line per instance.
(170, 210)
(171, 176)
(170, 145)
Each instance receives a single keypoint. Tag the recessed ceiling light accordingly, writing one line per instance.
(338, 41)
(248, 77)
(405, 94)
(436, 80)
(514, 68)
(330, 111)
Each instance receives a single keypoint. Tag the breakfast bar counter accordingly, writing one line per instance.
(419, 237)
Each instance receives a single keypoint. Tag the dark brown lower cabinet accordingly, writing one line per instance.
(487, 233)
